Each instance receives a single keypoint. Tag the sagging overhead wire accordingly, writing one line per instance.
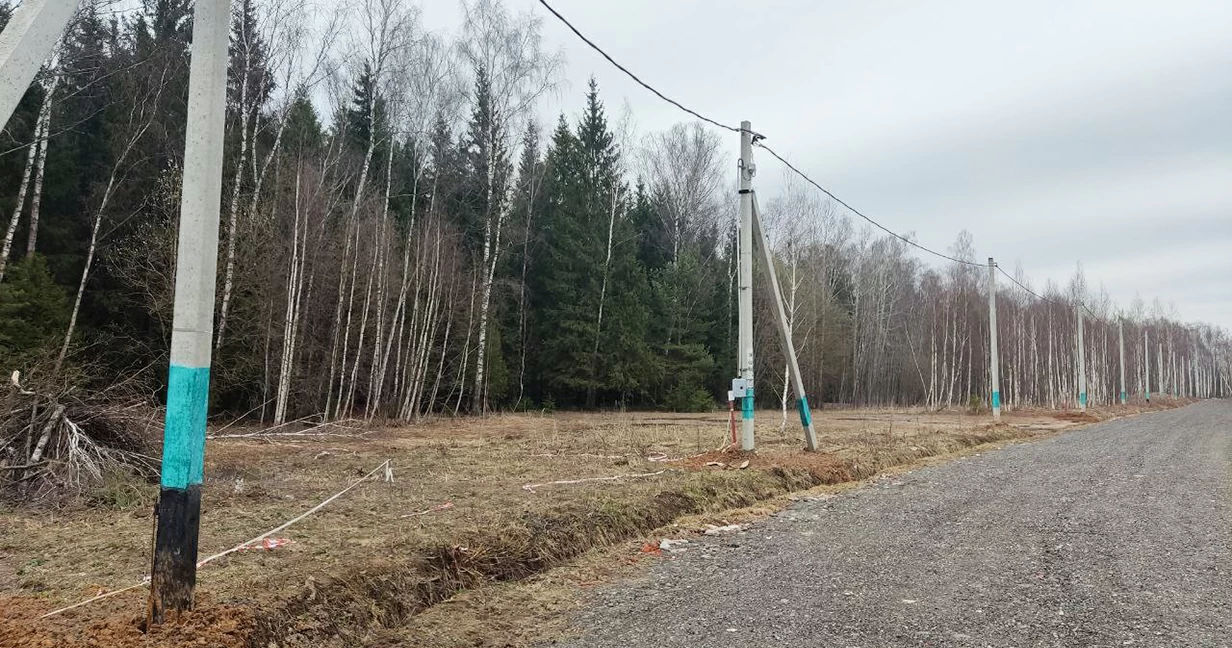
(1046, 299)
(757, 140)
(1028, 290)
(857, 212)
(633, 76)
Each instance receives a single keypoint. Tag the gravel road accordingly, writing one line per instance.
(1118, 534)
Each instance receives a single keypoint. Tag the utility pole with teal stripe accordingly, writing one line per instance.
(1146, 362)
(1121, 349)
(1082, 364)
(994, 359)
(744, 359)
(174, 571)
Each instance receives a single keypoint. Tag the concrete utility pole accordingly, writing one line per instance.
(994, 360)
(1146, 359)
(789, 347)
(1082, 365)
(745, 358)
(31, 33)
(1121, 346)
(174, 573)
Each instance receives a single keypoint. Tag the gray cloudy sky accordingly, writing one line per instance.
(1055, 131)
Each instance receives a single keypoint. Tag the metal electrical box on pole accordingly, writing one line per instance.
(994, 360)
(174, 574)
(784, 328)
(744, 358)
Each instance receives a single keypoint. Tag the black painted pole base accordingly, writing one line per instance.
(174, 575)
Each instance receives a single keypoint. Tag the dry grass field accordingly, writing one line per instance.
(464, 541)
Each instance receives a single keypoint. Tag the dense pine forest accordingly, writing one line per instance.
(405, 235)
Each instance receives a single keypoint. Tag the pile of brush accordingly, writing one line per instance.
(62, 443)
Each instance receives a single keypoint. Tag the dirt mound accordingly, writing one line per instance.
(824, 468)
(1076, 417)
(119, 624)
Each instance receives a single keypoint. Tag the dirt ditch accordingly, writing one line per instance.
(370, 563)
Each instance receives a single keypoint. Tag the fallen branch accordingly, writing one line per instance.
(23, 467)
(564, 482)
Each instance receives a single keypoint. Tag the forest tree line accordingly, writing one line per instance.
(402, 237)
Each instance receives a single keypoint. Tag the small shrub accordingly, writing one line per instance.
(684, 398)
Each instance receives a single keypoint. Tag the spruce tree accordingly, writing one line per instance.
(583, 360)
(33, 309)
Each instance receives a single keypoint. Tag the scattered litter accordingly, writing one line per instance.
(717, 464)
(744, 465)
(267, 544)
(731, 629)
(668, 544)
(652, 549)
(439, 507)
(721, 530)
(908, 601)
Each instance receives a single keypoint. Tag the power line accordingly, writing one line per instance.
(757, 137)
(858, 213)
(1029, 291)
(633, 76)
(758, 141)
(1081, 303)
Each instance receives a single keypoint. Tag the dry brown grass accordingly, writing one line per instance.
(361, 572)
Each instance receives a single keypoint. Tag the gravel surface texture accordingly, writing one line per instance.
(1118, 534)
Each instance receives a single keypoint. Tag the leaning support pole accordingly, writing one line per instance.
(789, 347)
(994, 360)
(1082, 365)
(745, 353)
(179, 504)
(28, 38)
(1121, 347)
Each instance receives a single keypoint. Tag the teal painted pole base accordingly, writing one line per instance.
(1082, 400)
(746, 405)
(806, 416)
(996, 400)
(179, 502)
(188, 390)
(1124, 398)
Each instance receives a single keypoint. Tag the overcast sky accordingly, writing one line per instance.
(1054, 131)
